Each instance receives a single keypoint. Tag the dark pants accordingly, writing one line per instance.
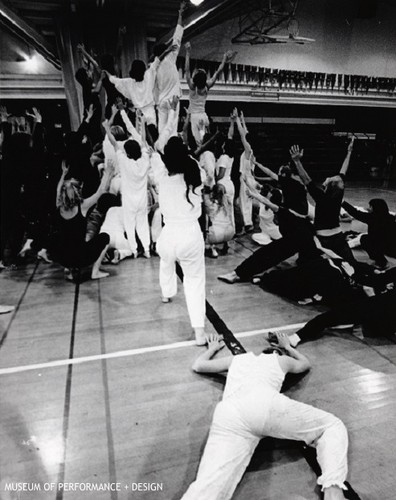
(375, 249)
(88, 253)
(277, 251)
(339, 245)
(377, 315)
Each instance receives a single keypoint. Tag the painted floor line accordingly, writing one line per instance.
(132, 352)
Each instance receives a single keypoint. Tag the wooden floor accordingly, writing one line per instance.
(129, 410)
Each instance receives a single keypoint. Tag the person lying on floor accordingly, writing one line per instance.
(375, 312)
(252, 408)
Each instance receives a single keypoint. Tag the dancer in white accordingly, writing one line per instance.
(252, 408)
(167, 83)
(199, 87)
(179, 182)
(134, 163)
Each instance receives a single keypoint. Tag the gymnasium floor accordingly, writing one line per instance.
(96, 386)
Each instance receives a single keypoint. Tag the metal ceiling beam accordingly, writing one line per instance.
(203, 15)
(23, 30)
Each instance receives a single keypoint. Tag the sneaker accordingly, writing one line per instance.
(229, 278)
(165, 300)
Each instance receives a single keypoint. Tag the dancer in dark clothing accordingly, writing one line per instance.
(380, 239)
(328, 199)
(297, 237)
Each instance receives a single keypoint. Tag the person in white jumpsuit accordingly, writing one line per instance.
(181, 240)
(252, 408)
(134, 163)
(167, 83)
(199, 87)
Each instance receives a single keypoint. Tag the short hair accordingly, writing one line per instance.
(137, 70)
(229, 148)
(70, 194)
(132, 149)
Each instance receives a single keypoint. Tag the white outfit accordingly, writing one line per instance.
(134, 175)
(113, 225)
(198, 117)
(207, 162)
(181, 240)
(269, 230)
(246, 168)
(226, 162)
(252, 408)
(140, 93)
(167, 131)
(110, 156)
(221, 224)
(168, 84)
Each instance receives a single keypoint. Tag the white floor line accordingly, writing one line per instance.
(133, 352)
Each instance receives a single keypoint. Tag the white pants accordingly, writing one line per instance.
(199, 125)
(230, 193)
(163, 116)
(156, 225)
(119, 242)
(137, 220)
(185, 245)
(246, 205)
(233, 438)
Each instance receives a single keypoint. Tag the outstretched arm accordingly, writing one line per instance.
(187, 71)
(227, 57)
(205, 364)
(112, 139)
(256, 195)
(242, 133)
(296, 155)
(232, 127)
(65, 170)
(347, 159)
(267, 171)
(87, 55)
(355, 213)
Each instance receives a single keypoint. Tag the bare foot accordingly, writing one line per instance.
(97, 275)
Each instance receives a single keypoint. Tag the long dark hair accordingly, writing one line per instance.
(178, 161)
(379, 208)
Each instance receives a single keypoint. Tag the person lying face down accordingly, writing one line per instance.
(252, 408)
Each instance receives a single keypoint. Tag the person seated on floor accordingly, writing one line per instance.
(328, 198)
(220, 214)
(269, 230)
(69, 247)
(380, 239)
(297, 237)
(375, 310)
(252, 408)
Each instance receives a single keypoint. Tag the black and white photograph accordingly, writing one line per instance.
(197, 249)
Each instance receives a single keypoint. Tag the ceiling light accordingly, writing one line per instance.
(31, 63)
(196, 2)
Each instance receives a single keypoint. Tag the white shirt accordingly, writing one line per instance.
(114, 221)
(172, 199)
(168, 82)
(207, 162)
(226, 162)
(140, 93)
(134, 174)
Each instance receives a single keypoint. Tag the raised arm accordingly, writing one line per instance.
(296, 155)
(231, 128)
(266, 171)
(295, 362)
(205, 364)
(182, 8)
(187, 71)
(242, 133)
(65, 170)
(103, 188)
(227, 57)
(347, 159)
(113, 142)
(87, 55)
(129, 125)
(204, 146)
